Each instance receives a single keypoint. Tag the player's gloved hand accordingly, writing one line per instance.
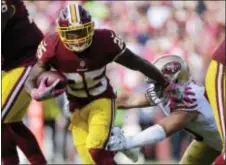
(44, 92)
(157, 93)
(117, 141)
(182, 98)
(169, 86)
(162, 89)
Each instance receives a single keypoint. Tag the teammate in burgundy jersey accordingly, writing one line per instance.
(216, 87)
(81, 53)
(20, 35)
(20, 39)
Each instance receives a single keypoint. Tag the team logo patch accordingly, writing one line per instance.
(83, 66)
(171, 68)
(82, 63)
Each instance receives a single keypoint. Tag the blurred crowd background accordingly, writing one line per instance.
(190, 29)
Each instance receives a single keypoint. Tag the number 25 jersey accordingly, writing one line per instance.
(85, 71)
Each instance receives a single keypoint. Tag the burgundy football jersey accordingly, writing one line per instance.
(219, 55)
(20, 38)
(85, 70)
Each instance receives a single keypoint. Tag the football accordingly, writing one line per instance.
(52, 76)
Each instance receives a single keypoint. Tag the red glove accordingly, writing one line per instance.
(44, 92)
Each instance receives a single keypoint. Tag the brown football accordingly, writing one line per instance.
(52, 76)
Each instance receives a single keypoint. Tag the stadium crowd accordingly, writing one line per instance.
(191, 29)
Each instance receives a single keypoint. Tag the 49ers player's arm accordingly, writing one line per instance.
(128, 100)
(7, 13)
(154, 134)
(134, 62)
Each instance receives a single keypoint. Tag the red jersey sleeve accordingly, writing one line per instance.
(114, 45)
(219, 54)
(46, 49)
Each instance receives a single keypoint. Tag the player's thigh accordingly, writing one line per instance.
(215, 88)
(79, 129)
(15, 99)
(101, 118)
(199, 153)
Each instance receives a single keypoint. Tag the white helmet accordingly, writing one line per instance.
(174, 68)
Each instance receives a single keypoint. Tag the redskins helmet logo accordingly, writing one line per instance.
(171, 68)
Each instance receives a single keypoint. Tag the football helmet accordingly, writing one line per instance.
(75, 27)
(176, 70)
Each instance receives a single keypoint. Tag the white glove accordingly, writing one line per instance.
(117, 141)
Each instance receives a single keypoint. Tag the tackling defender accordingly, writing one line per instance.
(194, 115)
(216, 91)
(81, 53)
(20, 39)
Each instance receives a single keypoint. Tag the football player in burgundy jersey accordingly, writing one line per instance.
(20, 39)
(216, 91)
(193, 114)
(81, 53)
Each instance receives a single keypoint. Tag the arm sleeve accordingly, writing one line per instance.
(46, 49)
(149, 136)
(114, 45)
(134, 62)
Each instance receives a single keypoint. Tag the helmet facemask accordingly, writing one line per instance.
(77, 38)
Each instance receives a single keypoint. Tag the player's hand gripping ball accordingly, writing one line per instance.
(52, 76)
(50, 84)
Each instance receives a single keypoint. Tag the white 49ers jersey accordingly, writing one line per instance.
(203, 127)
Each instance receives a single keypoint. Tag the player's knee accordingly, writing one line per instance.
(96, 144)
(98, 136)
(84, 154)
(101, 156)
(97, 140)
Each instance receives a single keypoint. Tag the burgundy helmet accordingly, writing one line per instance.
(75, 27)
